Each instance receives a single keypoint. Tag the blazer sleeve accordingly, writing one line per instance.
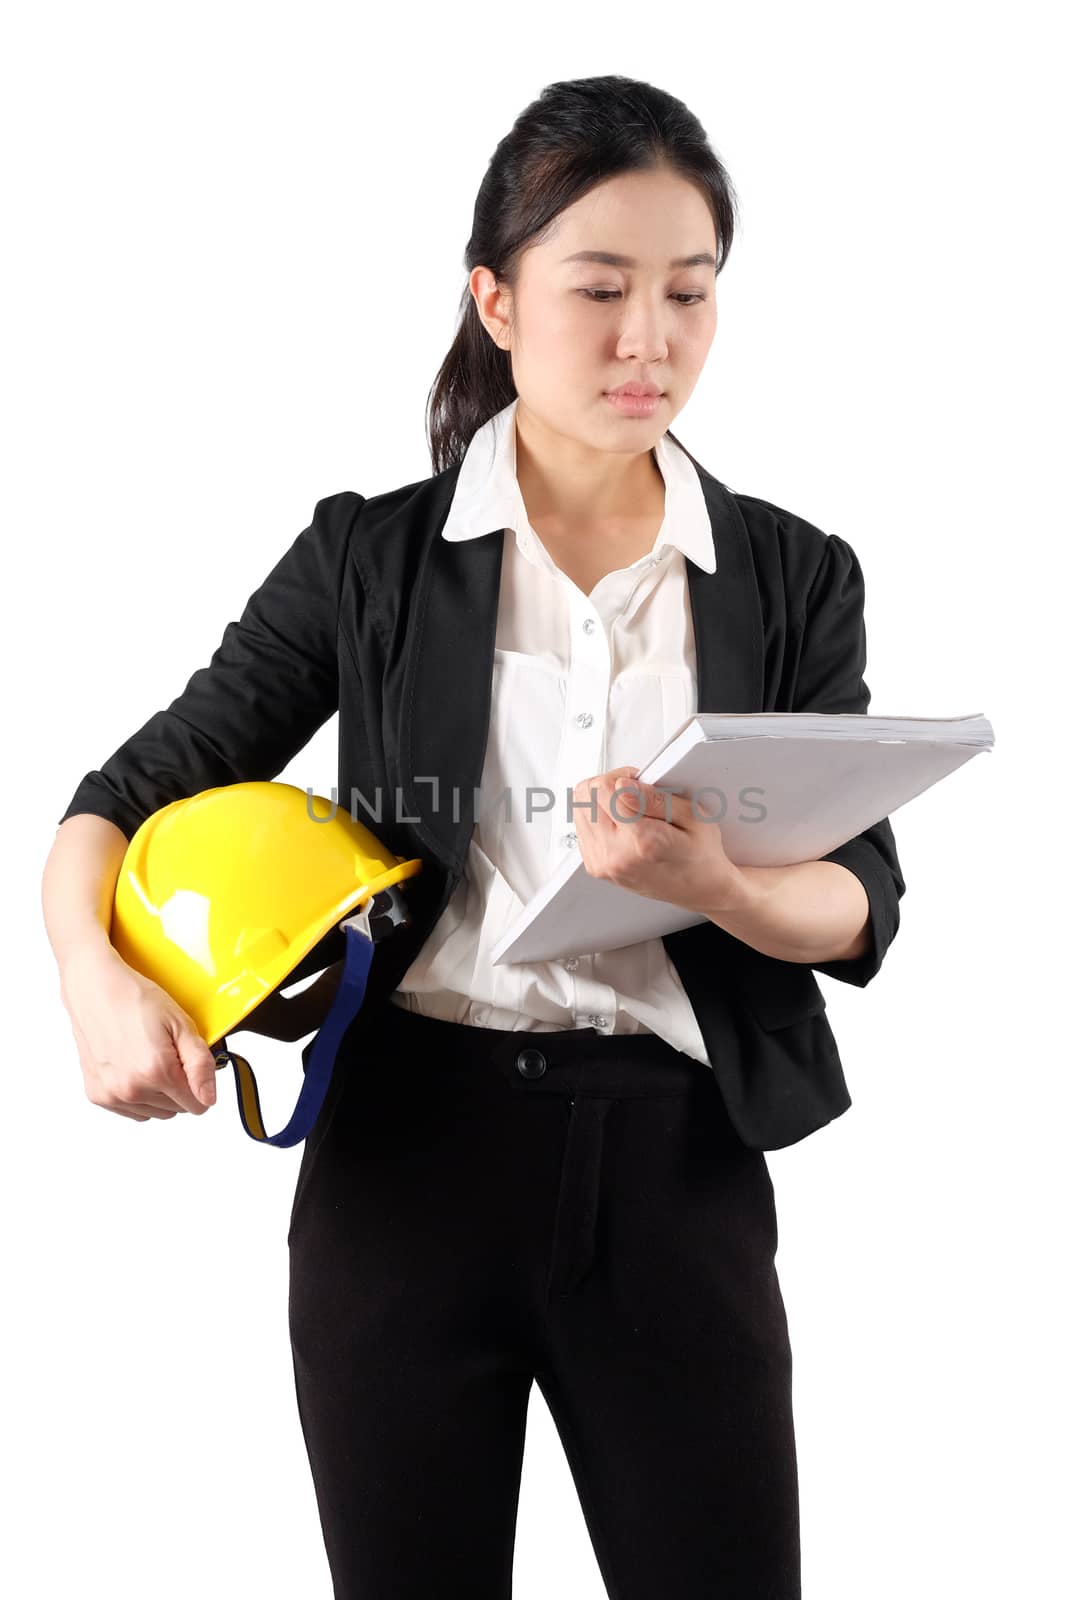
(270, 684)
(830, 671)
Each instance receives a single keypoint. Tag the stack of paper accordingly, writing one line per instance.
(782, 786)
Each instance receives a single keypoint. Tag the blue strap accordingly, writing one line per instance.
(358, 955)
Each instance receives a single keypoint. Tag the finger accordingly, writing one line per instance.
(198, 1090)
(630, 800)
(653, 801)
(147, 1102)
(592, 807)
(620, 781)
(139, 1112)
(146, 1106)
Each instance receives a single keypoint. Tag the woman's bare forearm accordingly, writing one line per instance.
(811, 911)
(78, 887)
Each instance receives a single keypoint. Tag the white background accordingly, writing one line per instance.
(233, 266)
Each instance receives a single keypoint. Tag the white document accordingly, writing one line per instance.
(783, 787)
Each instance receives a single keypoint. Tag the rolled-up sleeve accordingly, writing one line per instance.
(830, 678)
(270, 684)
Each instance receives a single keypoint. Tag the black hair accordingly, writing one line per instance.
(574, 136)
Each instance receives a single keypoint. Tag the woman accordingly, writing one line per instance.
(555, 1171)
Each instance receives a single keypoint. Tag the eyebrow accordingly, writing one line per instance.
(610, 258)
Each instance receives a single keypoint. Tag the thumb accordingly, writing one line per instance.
(198, 1063)
(626, 785)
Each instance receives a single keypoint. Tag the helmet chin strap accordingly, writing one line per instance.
(358, 956)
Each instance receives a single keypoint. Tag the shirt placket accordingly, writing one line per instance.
(581, 750)
(584, 740)
(582, 753)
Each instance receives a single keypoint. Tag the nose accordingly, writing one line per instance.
(643, 330)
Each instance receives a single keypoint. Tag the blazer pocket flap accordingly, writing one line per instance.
(777, 1003)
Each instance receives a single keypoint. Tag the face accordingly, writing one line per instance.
(577, 329)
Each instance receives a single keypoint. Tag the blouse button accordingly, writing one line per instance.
(589, 625)
(570, 839)
(571, 963)
(584, 719)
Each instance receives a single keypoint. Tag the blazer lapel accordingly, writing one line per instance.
(447, 693)
(726, 613)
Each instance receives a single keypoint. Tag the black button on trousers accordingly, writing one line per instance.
(478, 1210)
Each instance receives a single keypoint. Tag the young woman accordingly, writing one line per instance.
(550, 1172)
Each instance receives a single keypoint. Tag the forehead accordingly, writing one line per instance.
(654, 220)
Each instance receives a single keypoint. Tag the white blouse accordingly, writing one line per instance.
(581, 683)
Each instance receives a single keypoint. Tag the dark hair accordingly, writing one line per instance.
(573, 137)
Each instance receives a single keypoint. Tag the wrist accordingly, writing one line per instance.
(87, 953)
(747, 893)
(753, 912)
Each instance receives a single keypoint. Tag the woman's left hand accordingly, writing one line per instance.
(658, 846)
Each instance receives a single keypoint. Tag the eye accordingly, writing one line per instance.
(613, 294)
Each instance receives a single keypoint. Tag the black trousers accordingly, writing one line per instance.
(478, 1210)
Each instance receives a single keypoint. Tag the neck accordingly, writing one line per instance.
(563, 480)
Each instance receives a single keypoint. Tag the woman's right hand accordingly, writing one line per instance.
(141, 1055)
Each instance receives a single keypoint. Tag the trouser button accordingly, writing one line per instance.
(531, 1063)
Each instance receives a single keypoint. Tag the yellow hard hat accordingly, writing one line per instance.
(221, 895)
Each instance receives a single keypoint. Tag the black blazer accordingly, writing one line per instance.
(371, 612)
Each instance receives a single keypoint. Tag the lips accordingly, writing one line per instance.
(640, 391)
